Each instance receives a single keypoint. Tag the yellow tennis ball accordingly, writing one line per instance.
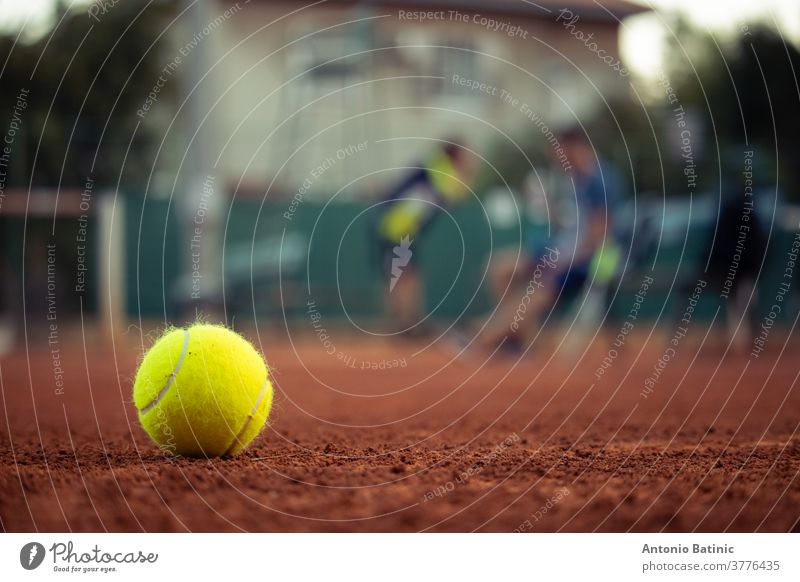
(203, 391)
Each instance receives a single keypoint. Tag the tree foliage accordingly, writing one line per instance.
(85, 79)
(746, 93)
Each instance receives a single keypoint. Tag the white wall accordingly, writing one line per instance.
(255, 55)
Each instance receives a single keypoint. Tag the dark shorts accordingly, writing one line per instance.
(569, 281)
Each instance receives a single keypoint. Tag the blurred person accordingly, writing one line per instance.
(406, 213)
(736, 250)
(7, 319)
(542, 192)
(582, 247)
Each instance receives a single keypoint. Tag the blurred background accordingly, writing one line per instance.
(167, 159)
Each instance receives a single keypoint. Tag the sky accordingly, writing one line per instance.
(33, 14)
(642, 36)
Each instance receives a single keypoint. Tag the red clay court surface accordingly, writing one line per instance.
(435, 445)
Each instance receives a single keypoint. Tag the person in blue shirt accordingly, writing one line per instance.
(582, 247)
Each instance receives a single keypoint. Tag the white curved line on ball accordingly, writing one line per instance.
(250, 417)
(172, 376)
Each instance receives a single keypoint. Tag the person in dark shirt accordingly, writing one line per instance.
(406, 213)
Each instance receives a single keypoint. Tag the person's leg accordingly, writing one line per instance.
(405, 299)
(737, 315)
(544, 284)
(505, 271)
(7, 327)
(584, 306)
(520, 311)
(505, 275)
(403, 290)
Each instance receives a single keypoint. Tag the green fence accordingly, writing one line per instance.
(273, 265)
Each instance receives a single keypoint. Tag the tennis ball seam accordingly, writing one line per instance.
(249, 417)
(171, 380)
